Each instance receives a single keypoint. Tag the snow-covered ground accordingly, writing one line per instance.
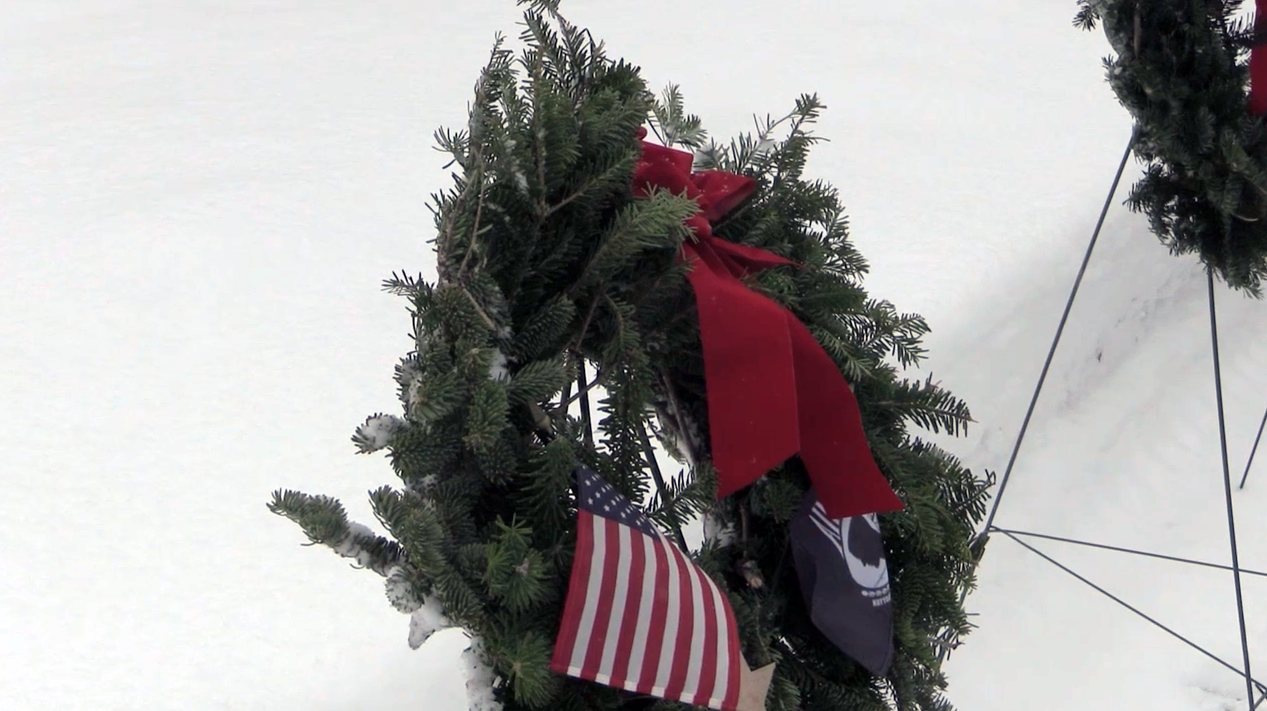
(199, 199)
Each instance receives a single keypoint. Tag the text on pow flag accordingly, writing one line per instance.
(640, 615)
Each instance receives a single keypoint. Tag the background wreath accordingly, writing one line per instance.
(1182, 69)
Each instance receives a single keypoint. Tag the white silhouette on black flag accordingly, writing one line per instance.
(845, 581)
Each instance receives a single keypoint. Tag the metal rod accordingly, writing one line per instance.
(1051, 353)
(1227, 490)
(1249, 682)
(585, 401)
(1102, 546)
(1252, 452)
(661, 487)
(1060, 329)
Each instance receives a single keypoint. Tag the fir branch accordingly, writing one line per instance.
(587, 320)
(605, 176)
(324, 521)
(694, 448)
(488, 321)
(475, 231)
(539, 132)
(537, 381)
(474, 158)
(638, 226)
(404, 285)
(672, 125)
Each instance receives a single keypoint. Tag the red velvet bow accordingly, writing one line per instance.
(1258, 65)
(772, 390)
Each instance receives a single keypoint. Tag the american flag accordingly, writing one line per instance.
(640, 615)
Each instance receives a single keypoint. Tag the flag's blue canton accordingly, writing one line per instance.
(600, 499)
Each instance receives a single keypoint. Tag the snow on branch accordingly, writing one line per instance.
(367, 548)
(400, 591)
(479, 679)
(376, 432)
(500, 370)
(426, 620)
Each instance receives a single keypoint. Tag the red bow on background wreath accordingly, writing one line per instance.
(773, 391)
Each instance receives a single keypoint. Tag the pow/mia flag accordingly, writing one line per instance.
(845, 582)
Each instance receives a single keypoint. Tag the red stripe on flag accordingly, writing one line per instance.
(577, 585)
(611, 561)
(708, 670)
(629, 620)
(685, 627)
(731, 701)
(659, 609)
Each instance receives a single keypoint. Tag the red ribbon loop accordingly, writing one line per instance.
(773, 391)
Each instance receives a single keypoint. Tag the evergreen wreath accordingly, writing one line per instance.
(1180, 70)
(557, 285)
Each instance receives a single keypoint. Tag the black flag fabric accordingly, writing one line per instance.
(845, 581)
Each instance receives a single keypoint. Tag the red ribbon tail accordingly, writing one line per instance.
(833, 444)
(749, 373)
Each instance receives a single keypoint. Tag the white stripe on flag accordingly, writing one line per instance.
(585, 631)
(649, 574)
(621, 571)
(722, 641)
(696, 658)
(674, 608)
